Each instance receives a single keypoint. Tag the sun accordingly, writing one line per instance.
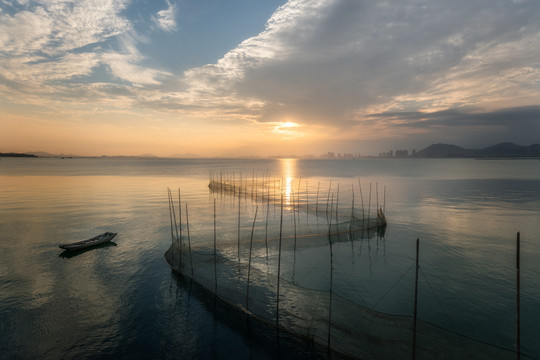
(286, 129)
(288, 124)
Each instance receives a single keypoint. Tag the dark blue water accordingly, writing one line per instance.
(123, 301)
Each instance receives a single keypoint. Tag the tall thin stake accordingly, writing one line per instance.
(249, 261)
(298, 195)
(279, 260)
(518, 335)
(170, 213)
(294, 220)
(361, 199)
(415, 300)
(331, 209)
(337, 206)
(369, 204)
(351, 225)
(377, 195)
(180, 213)
(266, 226)
(173, 213)
(239, 199)
(384, 200)
(189, 241)
(317, 199)
(331, 288)
(215, 254)
(327, 200)
(307, 203)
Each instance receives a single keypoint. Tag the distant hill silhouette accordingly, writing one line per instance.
(16, 155)
(506, 149)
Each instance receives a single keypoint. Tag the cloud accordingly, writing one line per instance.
(466, 126)
(165, 19)
(54, 27)
(44, 44)
(337, 62)
(524, 116)
(123, 63)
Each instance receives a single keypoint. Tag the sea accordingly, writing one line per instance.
(123, 301)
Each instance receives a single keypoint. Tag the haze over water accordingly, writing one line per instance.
(123, 301)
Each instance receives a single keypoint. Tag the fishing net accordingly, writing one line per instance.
(280, 257)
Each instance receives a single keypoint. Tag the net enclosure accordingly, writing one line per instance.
(282, 254)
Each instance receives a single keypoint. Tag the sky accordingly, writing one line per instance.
(266, 77)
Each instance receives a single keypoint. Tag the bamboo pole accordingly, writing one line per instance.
(330, 295)
(327, 200)
(298, 196)
(415, 300)
(176, 228)
(274, 194)
(307, 203)
(377, 196)
(266, 225)
(331, 210)
(279, 260)
(174, 214)
(369, 205)
(351, 225)
(361, 199)
(294, 221)
(189, 240)
(215, 257)
(170, 213)
(172, 232)
(384, 200)
(317, 199)
(180, 214)
(249, 261)
(239, 199)
(337, 207)
(518, 330)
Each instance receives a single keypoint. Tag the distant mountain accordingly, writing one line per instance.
(510, 150)
(16, 155)
(44, 154)
(443, 150)
(185, 156)
(506, 149)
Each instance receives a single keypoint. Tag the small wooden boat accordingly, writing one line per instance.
(96, 240)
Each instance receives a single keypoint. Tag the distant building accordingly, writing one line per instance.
(332, 155)
(328, 155)
(402, 153)
(397, 154)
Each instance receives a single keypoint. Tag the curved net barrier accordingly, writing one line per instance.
(282, 263)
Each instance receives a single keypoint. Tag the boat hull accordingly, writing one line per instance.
(96, 240)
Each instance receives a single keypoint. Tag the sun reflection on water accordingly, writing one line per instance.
(288, 172)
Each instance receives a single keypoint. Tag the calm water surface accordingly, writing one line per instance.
(123, 301)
